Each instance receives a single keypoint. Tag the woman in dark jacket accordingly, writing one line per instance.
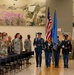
(48, 52)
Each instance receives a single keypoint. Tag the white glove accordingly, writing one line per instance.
(63, 46)
(69, 52)
(34, 46)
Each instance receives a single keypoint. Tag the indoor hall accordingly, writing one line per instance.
(30, 17)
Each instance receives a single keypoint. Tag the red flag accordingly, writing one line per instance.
(48, 26)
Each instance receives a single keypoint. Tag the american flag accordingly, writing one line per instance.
(48, 26)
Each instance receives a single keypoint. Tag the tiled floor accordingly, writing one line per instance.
(33, 70)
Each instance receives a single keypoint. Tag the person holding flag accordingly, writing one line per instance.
(48, 52)
(56, 42)
(48, 42)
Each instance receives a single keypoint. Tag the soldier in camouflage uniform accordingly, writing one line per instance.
(27, 44)
(17, 45)
(0, 39)
(3, 46)
(21, 43)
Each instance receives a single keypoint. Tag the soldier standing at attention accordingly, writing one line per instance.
(0, 39)
(38, 44)
(4, 46)
(0, 36)
(21, 43)
(17, 44)
(66, 48)
(27, 44)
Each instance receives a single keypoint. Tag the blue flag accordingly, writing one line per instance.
(54, 30)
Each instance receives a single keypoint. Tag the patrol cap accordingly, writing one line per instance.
(39, 33)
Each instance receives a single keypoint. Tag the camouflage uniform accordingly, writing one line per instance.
(3, 49)
(17, 46)
(27, 45)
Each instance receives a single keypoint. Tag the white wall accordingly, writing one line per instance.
(64, 9)
(12, 30)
